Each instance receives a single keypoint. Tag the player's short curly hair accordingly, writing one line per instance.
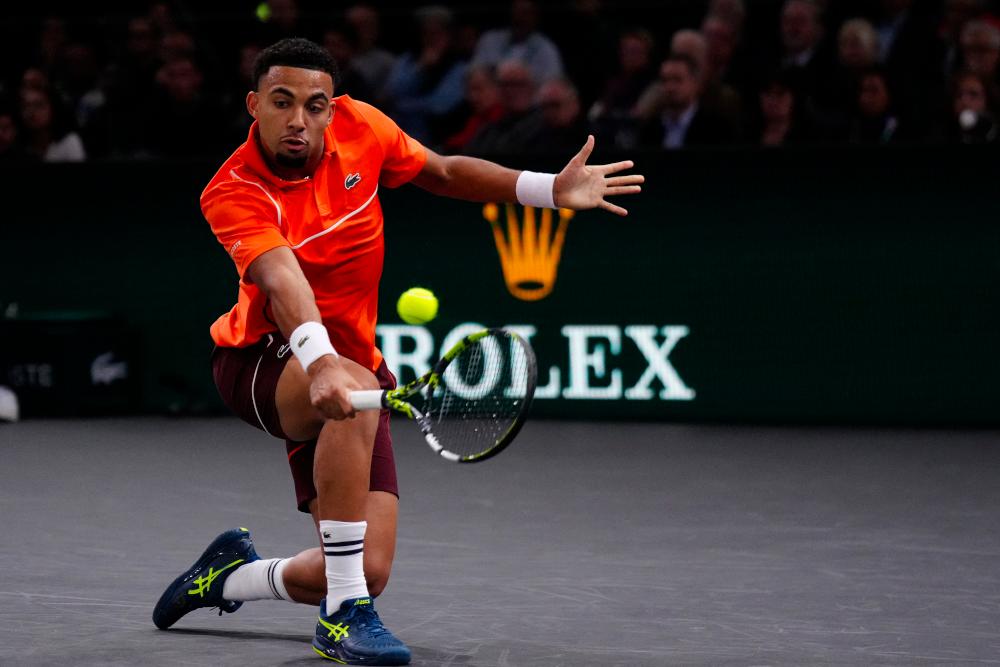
(294, 52)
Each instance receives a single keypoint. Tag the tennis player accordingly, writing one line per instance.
(297, 209)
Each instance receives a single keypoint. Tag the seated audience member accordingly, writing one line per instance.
(614, 114)
(716, 97)
(426, 87)
(780, 119)
(48, 134)
(373, 63)
(875, 121)
(857, 51)
(482, 97)
(521, 41)
(980, 46)
(974, 110)
(521, 121)
(184, 118)
(564, 128)
(722, 32)
(683, 122)
(342, 43)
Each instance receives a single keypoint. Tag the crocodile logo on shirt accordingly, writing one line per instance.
(352, 180)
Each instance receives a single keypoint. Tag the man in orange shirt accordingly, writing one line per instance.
(297, 209)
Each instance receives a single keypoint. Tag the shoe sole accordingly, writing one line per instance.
(373, 660)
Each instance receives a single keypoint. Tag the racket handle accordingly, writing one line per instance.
(369, 399)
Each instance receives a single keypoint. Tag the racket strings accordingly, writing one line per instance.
(481, 396)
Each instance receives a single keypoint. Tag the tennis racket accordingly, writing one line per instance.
(475, 399)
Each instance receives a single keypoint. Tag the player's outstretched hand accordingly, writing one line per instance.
(581, 186)
(330, 388)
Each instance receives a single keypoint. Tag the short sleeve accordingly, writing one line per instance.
(404, 156)
(245, 220)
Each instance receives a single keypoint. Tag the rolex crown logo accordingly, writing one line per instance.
(529, 252)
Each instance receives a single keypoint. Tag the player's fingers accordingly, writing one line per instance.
(614, 166)
(623, 190)
(631, 179)
(585, 152)
(617, 210)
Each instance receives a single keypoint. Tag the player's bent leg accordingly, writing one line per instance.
(305, 574)
(348, 629)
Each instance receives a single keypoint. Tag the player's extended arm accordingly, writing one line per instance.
(578, 186)
(278, 274)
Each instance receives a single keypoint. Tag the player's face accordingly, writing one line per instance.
(293, 108)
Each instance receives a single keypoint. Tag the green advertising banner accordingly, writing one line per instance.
(807, 287)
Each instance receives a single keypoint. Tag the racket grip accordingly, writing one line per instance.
(369, 399)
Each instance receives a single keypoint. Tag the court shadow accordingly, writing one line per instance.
(421, 656)
(244, 634)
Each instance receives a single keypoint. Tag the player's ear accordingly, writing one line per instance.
(253, 99)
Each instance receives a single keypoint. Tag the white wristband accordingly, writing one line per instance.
(535, 189)
(309, 342)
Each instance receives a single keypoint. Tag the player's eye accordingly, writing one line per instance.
(281, 104)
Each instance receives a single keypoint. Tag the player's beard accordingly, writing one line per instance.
(290, 162)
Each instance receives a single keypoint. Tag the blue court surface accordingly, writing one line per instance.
(583, 544)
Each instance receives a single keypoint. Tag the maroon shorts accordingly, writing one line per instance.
(247, 379)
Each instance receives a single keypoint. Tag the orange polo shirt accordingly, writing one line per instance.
(332, 221)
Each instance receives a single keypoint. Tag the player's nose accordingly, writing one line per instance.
(297, 119)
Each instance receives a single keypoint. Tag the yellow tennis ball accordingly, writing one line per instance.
(417, 306)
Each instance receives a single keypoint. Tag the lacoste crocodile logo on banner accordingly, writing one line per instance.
(529, 251)
(352, 180)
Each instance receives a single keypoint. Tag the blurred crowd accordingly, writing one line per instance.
(168, 81)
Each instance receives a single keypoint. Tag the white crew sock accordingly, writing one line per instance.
(259, 580)
(343, 547)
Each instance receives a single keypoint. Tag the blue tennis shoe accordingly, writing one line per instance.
(354, 635)
(202, 584)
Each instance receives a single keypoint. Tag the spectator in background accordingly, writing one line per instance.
(801, 32)
(780, 121)
(875, 122)
(614, 114)
(48, 130)
(373, 63)
(683, 123)
(980, 43)
(974, 110)
(342, 43)
(722, 38)
(521, 41)
(521, 121)
(482, 97)
(857, 52)
(183, 119)
(10, 144)
(426, 87)
(564, 128)
(715, 97)
(955, 14)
